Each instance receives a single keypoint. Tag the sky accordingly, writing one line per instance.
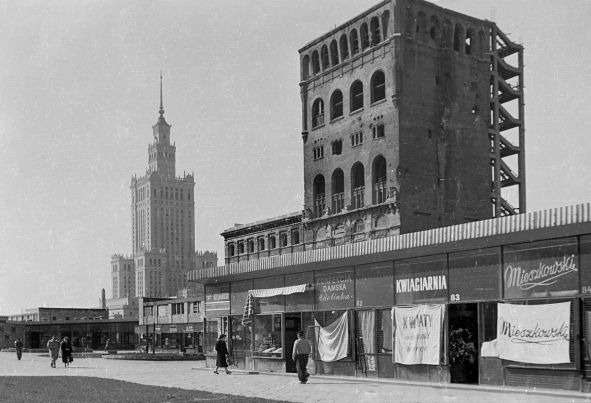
(79, 92)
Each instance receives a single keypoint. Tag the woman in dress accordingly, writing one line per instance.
(222, 352)
(66, 348)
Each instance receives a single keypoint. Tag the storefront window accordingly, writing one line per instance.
(303, 301)
(374, 285)
(474, 275)
(213, 328)
(267, 336)
(240, 337)
(541, 269)
(384, 331)
(238, 297)
(269, 304)
(421, 280)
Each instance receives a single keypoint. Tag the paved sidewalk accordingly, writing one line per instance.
(193, 375)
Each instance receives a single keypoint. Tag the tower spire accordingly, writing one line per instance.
(161, 107)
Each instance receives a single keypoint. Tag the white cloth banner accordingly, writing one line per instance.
(417, 334)
(333, 340)
(537, 334)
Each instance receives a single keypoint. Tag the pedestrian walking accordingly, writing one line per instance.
(301, 351)
(18, 344)
(107, 344)
(66, 348)
(54, 349)
(222, 352)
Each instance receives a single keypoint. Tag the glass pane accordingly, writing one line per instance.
(267, 336)
(374, 285)
(334, 289)
(300, 301)
(238, 296)
(240, 337)
(475, 275)
(269, 304)
(421, 280)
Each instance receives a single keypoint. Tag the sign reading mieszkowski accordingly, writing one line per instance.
(417, 334)
(537, 334)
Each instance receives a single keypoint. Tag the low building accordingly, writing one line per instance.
(171, 324)
(487, 295)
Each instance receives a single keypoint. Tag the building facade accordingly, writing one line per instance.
(162, 227)
(396, 103)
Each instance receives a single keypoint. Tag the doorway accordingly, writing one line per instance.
(463, 343)
(293, 324)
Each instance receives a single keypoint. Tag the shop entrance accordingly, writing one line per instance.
(293, 324)
(463, 343)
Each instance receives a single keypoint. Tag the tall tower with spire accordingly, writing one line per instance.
(162, 217)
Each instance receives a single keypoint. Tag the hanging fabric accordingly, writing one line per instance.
(248, 310)
(333, 340)
(367, 324)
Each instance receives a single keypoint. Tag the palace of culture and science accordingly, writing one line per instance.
(162, 228)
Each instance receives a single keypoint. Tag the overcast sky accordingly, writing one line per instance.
(79, 93)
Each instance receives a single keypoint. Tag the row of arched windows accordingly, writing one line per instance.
(462, 40)
(337, 200)
(262, 243)
(377, 88)
(349, 44)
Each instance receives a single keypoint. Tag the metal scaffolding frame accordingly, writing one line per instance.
(503, 91)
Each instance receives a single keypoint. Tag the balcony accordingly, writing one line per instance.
(357, 201)
(319, 203)
(380, 192)
(338, 202)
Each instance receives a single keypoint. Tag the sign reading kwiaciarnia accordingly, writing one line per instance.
(417, 334)
(537, 334)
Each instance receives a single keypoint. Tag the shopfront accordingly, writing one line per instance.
(418, 318)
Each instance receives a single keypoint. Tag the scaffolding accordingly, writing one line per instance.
(506, 82)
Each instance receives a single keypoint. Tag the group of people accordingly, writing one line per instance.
(301, 352)
(55, 348)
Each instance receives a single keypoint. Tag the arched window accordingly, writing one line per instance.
(364, 34)
(295, 237)
(250, 246)
(375, 31)
(305, 67)
(324, 57)
(240, 247)
(272, 242)
(359, 226)
(354, 42)
(315, 62)
(458, 38)
(317, 112)
(231, 250)
(468, 42)
(336, 104)
(434, 30)
(319, 192)
(356, 93)
(421, 25)
(334, 53)
(378, 86)
(344, 47)
(357, 185)
(385, 21)
(338, 190)
(261, 244)
(283, 239)
(379, 180)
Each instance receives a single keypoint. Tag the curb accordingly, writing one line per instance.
(476, 388)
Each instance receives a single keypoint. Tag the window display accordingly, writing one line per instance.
(213, 328)
(267, 336)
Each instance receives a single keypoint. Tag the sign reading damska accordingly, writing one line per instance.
(421, 280)
(217, 300)
(335, 289)
(541, 269)
(537, 334)
(417, 334)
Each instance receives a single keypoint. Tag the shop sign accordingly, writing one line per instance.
(540, 272)
(536, 334)
(335, 289)
(157, 329)
(421, 280)
(172, 329)
(417, 334)
(217, 300)
(189, 329)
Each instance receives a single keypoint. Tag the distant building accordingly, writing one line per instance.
(162, 229)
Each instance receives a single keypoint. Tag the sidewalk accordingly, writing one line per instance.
(193, 375)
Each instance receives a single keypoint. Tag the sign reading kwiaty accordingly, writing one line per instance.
(537, 334)
(417, 334)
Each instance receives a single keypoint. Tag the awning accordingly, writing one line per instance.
(271, 292)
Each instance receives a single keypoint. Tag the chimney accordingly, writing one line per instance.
(103, 299)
